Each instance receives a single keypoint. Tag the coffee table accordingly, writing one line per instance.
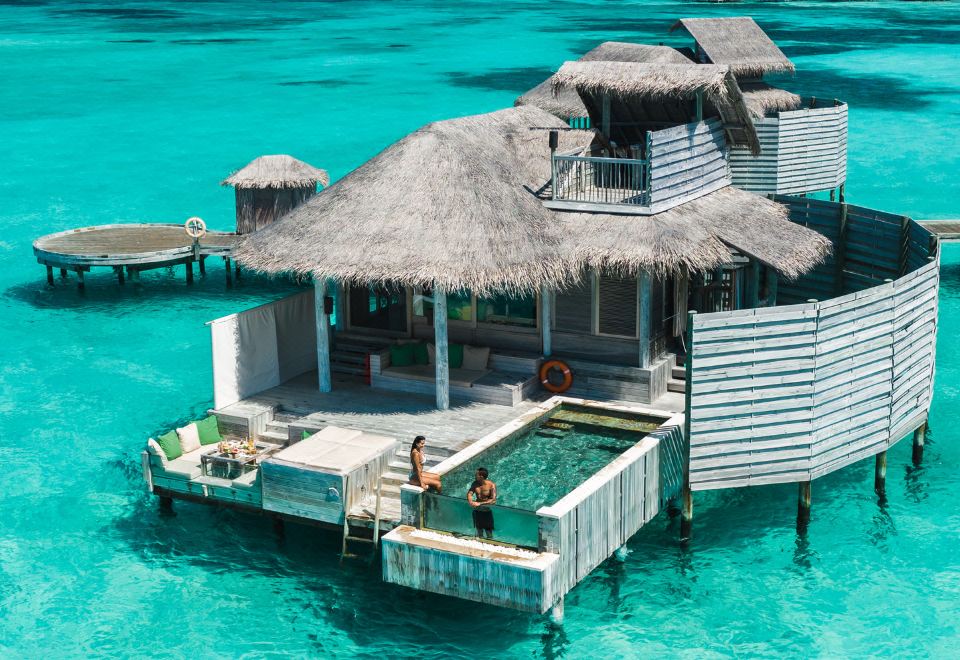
(229, 465)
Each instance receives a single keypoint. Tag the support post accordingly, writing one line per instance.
(880, 475)
(278, 526)
(605, 118)
(803, 507)
(119, 271)
(772, 281)
(80, 284)
(226, 266)
(754, 287)
(166, 503)
(442, 351)
(833, 194)
(236, 269)
(686, 507)
(50, 275)
(202, 264)
(63, 273)
(556, 613)
(546, 316)
(919, 439)
(189, 271)
(134, 275)
(323, 334)
(645, 305)
(843, 193)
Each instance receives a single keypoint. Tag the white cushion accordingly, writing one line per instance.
(475, 357)
(157, 457)
(189, 438)
(181, 469)
(431, 354)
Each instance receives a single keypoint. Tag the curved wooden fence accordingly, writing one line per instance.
(791, 393)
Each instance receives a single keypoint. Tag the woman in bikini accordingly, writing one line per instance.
(417, 476)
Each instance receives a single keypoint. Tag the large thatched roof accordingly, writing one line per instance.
(632, 83)
(279, 171)
(737, 42)
(455, 204)
(564, 102)
(762, 99)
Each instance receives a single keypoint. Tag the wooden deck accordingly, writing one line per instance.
(945, 230)
(134, 247)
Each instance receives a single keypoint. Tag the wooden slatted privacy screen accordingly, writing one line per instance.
(617, 305)
(791, 393)
(800, 151)
(687, 162)
(599, 516)
(574, 308)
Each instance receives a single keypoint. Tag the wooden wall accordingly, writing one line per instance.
(687, 162)
(801, 151)
(791, 393)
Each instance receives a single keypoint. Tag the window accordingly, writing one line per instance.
(574, 307)
(617, 305)
(507, 310)
(460, 305)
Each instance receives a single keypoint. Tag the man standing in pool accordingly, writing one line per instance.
(481, 496)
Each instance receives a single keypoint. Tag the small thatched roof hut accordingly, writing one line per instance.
(455, 204)
(763, 100)
(630, 85)
(737, 42)
(564, 102)
(270, 186)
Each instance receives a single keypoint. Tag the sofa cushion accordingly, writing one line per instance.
(170, 444)
(209, 431)
(475, 357)
(420, 353)
(401, 355)
(427, 373)
(189, 438)
(247, 481)
(181, 468)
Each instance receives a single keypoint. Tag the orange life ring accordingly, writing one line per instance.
(562, 367)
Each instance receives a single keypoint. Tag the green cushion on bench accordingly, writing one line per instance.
(455, 351)
(305, 435)
(209, 431)
(170, 444)
(401, 355)
(420, 353)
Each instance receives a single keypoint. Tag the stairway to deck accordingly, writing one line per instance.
(349, 353)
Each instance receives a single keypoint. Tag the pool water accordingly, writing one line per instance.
(540, 465)
(126, 111)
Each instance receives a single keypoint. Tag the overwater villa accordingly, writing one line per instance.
(613, 295)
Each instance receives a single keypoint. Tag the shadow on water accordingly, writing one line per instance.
(516, 79)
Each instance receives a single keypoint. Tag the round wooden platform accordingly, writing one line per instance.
(140, 246)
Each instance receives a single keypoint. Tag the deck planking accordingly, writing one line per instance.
(945, 230)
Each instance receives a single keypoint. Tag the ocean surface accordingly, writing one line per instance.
(127, 112)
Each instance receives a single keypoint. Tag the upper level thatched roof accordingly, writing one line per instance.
(279, 171)
(455, 205)
(737, 42)
(564, 102)
(633, 83)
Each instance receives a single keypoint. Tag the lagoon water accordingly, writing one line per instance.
(124, 112)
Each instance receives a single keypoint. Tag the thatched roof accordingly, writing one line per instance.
(454, 204)
(737, 42)
(564, 102)
(280, 171)
(632, 82)
(762, 99)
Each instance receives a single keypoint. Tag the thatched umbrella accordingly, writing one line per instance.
(565, 103)
(270, 186)
(737, 42)
(632, 83)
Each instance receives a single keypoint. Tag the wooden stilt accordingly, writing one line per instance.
(803, 507)
(120, 277)
(166, 503)
(189, 269)
(686, 514)
(226, 265)
(833, 194)
(880, 475)
(80, 284)
(556, 613)
(63, 273)
(236, 269)
(323, 335)
(919, 439)
(278, 526)
(202, 264)
(134, 275)
(843, 193)
(50, 275)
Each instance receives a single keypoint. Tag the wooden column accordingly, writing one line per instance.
(202, 265)
(63, 273)
(80, 284)
(772, 279)
(645, 307)
(880, 475)
(50, 275)
(754, 288)
(686, 507)
(442, 350)
(134, 275)
(919, 440)
(323, 335)
(803, 507)
(189, 271)
(226, 266)
(236, 268)
(546, 316)
(556, 613)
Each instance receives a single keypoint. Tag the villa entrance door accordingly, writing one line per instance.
(378, 307)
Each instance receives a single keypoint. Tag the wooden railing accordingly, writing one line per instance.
(598, 180)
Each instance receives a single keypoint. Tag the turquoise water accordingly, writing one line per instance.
(122, 112)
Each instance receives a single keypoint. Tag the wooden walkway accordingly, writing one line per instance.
(129, 249)
(945, 230)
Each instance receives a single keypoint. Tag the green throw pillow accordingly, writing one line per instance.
(401, 355)
(209, 431)
(305, 435)
(420, 354)
(170, 444)
(455, 351)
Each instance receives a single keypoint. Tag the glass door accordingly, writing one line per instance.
(378, 307)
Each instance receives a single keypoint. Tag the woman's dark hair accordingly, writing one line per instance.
(418, 439)
(483, 472)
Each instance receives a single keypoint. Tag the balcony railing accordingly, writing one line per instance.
(599, 180)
